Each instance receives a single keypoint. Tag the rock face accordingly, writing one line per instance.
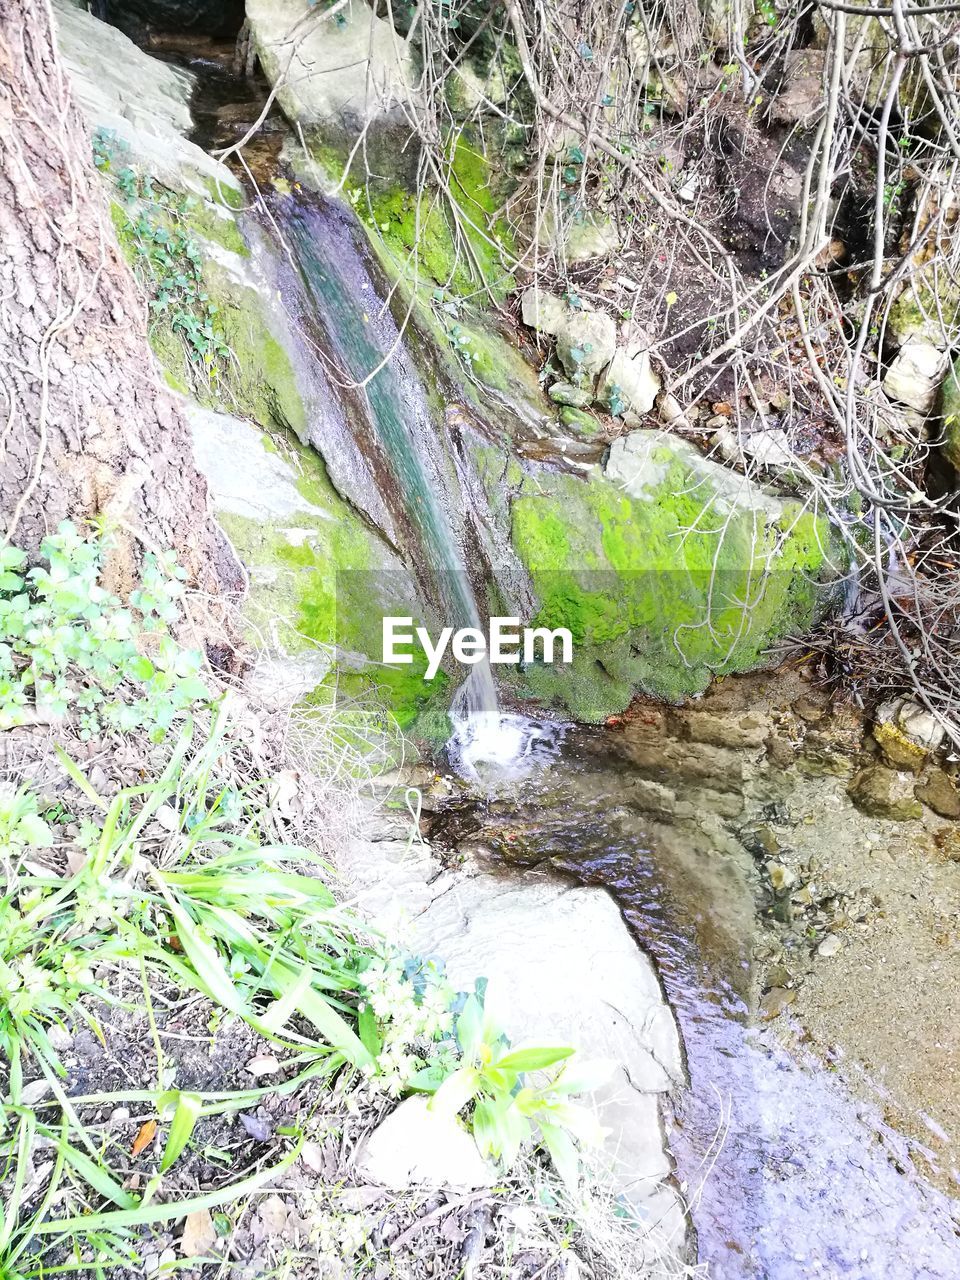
(647, 561)
(144, 101)
(340, 72)
(562, 969)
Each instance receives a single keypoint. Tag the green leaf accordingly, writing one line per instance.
(455, 1092)
(534, 1059)
(34, 831)
(188, 1111)
(563, 1153)
(470, 1027)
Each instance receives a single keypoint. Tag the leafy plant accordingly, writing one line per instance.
(66, 644)
(513, 1102)
(167, 258)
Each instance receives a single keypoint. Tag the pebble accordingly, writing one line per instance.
(830, 946)
(119, 1114)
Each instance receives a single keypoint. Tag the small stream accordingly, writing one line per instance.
(786, 1174)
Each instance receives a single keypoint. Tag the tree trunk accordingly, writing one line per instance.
(87, 428)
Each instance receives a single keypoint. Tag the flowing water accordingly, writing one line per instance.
(787, 1175)
(366, 354)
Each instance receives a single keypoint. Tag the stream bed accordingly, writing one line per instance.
(786, 1174)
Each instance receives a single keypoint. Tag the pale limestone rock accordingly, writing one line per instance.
(245, 478)
(344, 71)
(417, 1147)
(915, 374)
(632, 381)
(144, 101)
(586, 342)
(639, 461)
(562, 968)
(542, 310)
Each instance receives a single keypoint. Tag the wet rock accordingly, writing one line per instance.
(801, 96)
(416, 1146)
(775, 1001)
(762, 842)
(885, 793)
(343, 76)
(939, 792)
(915, 374)
(543, 311)
(629, 384)
(722, 731)
(906, 733)
(566, 393)
(586, 341)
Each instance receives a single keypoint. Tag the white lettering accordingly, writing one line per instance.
(391, 638)
(434, 653)
(547, 638)
(504, 631)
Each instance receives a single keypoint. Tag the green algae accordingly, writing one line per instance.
(664, 593)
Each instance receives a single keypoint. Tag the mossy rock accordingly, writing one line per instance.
(951, 416)
(667, 570)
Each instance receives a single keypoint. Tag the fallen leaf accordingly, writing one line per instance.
(273, 1214)
(311, 1153)
(199, 1234)
(146, 1134)
(264, 1064)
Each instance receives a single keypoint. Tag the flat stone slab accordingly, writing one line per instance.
(562, 968)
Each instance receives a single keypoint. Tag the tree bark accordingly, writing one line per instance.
(87, 427)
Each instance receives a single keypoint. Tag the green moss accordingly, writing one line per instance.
(580, 423)
(446, 241)
(207, 222)
(661, 594)
(224, 193)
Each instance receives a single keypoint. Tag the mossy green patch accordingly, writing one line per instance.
(951, 416)
(455, 238)
(661, 593)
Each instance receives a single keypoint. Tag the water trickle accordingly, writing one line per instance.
(371, 361)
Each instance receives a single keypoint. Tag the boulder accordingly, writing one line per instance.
(586, 342)
(417, 1147)
(915, 374)
(906, 733)
(340, 73)
(143, 101)
(542, 310)
(562, 968)
(939, 792)
(629, 385)
(648, 558)
(884, 793)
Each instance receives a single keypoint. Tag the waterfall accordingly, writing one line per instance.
(364, 340)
